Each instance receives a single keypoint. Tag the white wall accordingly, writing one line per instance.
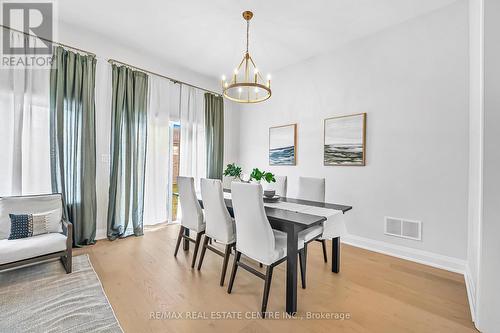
(412, 80)
(488, 301)
(105, 49)
(475, 147)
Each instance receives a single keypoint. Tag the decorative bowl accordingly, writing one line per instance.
(269, 193)
(276, 198)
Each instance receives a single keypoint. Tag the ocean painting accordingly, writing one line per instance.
(282, 145)
(345, 140)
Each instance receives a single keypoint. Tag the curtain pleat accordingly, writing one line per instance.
(24, 126)
(192, 140)
(214, 132)
(158, 185)
(72, 139)
(128, 152)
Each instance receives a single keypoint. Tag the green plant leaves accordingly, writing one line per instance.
(258, 175)
(234, 170)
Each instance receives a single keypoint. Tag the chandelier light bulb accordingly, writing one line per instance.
(235, 71)
(223, 78)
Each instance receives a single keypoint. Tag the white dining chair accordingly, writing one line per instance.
(279, 186)
(219, 224)
(313, 189)
(255, 238)
(192, 215)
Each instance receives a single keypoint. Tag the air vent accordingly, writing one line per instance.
(403, 228)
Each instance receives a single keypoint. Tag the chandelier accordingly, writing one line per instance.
(247, 85)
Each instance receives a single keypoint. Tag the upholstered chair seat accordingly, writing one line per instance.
(280, 186)
(220, 227)
(254, 236)
(192, 215)
(313, 189)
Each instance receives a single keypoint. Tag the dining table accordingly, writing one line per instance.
(283, 216)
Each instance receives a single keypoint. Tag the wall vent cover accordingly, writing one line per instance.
(403, 228)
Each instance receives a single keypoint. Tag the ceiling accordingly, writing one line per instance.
(208, 36)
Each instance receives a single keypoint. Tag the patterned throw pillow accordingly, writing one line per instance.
(27, 225)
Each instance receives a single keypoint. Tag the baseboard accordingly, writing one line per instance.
(471, 292)
(403, 252)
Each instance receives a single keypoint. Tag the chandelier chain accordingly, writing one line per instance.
(248, 28)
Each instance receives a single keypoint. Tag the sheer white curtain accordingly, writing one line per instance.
(192, 146)
(24, 127)
(163, 96)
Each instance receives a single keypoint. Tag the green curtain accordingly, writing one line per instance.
(72, 139)
(128, 151)
(214, 133)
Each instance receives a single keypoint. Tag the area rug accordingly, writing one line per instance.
(43, 298)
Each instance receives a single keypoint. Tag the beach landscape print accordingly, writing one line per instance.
(282, 148)
(345, 140)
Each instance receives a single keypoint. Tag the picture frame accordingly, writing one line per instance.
(283, 145)
(344, 140)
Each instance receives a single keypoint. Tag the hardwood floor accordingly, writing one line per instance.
(142, 279)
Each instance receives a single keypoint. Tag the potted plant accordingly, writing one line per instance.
(259, 175)
(233, 170)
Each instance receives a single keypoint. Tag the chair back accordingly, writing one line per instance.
(312, 189)
(219, 224)
(279, 186)
(254, 235)
(227, 180)
(192, 215)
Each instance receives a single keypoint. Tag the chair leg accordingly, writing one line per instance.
(67, 262)
(196, 246)
(260, 265)
(267, 287)
(203, 250)
(323, 242)
(227, 254)
(302, 261)
(237, 256)
(179, 238)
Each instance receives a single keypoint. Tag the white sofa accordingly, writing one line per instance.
(56, 243)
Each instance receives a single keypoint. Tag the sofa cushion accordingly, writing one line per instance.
(25, 248)
(50, 204)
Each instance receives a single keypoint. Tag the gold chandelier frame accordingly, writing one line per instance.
(257, 82)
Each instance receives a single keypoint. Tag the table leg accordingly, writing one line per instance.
(336, 255)
(185, 245)
(291, 270)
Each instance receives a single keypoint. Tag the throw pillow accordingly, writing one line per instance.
(28, 225)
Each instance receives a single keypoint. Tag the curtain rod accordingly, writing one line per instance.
(48, 40)
(111, 61)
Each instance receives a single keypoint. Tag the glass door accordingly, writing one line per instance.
(175, 137)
